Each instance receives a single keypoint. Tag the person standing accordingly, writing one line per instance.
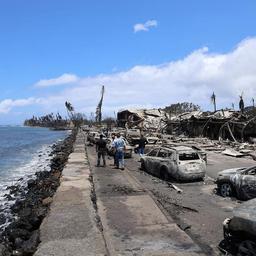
(113, 149)
(142, 143)
(120, 147)
(101, 149)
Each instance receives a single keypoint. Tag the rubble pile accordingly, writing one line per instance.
(149, 119)
(221, 125)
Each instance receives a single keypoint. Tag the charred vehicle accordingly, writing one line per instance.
(239, 182)
(181, 163)
(127, 152)
(133, 136)
(97, 137)
(240, 231)
(91, 137)
(201, 152)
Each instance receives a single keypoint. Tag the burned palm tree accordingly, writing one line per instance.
(70, 109)
(76, 118)
(98, 114)
(213, 100)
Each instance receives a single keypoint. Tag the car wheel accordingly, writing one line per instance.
(247, 248)
(142, 165)
(226, 189)
(164, 174)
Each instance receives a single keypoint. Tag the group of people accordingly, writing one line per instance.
(118, 147)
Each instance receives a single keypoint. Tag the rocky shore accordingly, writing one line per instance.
(21, 236)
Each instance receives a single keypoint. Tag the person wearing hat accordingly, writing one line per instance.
(101, 149)
(113, 149)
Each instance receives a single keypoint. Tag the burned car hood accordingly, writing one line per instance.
(229, 172)
(244, 217)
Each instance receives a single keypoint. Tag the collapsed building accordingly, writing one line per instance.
(219, 125)
(144, 119)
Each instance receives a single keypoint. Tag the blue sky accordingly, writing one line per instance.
(95, 42)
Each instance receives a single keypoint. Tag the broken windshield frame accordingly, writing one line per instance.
(187, 156)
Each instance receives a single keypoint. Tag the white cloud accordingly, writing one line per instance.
(192, 79)
(7, 104)
(63, 79)
(144, 27)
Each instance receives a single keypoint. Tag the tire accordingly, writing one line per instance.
(164, 174)
(247, 248)
(226, 189)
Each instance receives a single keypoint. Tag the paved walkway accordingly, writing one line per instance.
(127, 221)
(70, 228)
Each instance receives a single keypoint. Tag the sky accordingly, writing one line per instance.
(147, 53)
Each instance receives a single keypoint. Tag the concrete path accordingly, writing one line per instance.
(132, 222)
(71, 227)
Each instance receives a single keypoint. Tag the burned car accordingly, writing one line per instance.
(181, 163)
(239, 182)
(127, 152)
(91, 136)
(133, 136)
(97, 137)
(240, 231)
(201, 152)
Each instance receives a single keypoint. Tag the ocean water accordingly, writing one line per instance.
(23, 151)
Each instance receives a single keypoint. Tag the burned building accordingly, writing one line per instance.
(222, 124)
(144, 119)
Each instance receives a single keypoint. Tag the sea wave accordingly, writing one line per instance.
(40, 161)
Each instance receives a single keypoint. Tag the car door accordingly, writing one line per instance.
(248, 184)
(150, 159)
(172, 163)
(160, 160)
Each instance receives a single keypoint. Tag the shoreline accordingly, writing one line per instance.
(21, 236)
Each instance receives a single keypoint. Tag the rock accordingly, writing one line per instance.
(24, 223)
(4, 250)
(33, 202)
(41, 212)
(47, 201)
(30, 246)
(2, 219)
(14, 189)
(25, 212)
(9, 197)
(31, 183)
(18, 242)
(17, 253)
(18, 233)
(57, 174)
